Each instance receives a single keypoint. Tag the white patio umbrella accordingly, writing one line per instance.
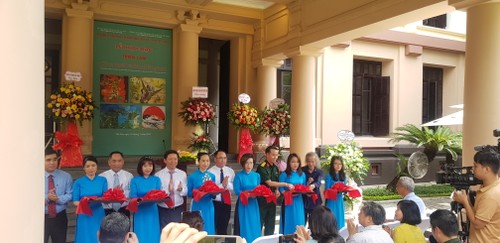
(451, 119)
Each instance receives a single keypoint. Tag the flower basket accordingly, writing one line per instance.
(186, 157)
(200, 143)
(244, 116)
(197, 111)
(276, 122)
(71, 103)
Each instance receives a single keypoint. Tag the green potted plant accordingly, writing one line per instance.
(432, 141)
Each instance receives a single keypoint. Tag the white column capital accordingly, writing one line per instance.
(304, 51)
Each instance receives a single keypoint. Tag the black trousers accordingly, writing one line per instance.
(56, 228)
(222, 216)
(168, 215)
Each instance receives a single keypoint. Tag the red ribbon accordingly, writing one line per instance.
(114, 194)
(84, 207)
(153, 195)
(209, 187)
(340, 187)
(299, 189)
(133, 205)
(69, 142)
(258, 191)
(245, 142)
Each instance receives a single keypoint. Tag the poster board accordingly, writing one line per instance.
(132, 87)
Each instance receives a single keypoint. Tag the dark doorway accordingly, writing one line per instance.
(52, 69)
(214, 74)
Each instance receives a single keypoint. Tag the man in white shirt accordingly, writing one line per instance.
(174, 183)
(224, 177)
(405, 188)
(117, 178)
(371, 216)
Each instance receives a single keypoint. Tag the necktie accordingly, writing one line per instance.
(116, 183)
(52, 205)
(221, 175)
(171, 186)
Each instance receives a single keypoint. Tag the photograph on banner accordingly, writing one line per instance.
(113, 88)
(147, 90)
(115, 116)
(153, 117)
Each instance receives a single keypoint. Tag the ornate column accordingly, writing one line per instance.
(186, 68)
(266, 89)
(481, 97)
(76, 55)
(22, 127)
(302, 124)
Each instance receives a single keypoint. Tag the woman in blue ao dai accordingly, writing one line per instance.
(336, 174)
(205, 205)
(293, 214)
(248, 216)
(146, 219)
(86, 186)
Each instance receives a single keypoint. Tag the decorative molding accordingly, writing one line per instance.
(413, 50)
(304, 51)
(190, 28)
(397, 37)
(342, 45)
(464, 4)
(199, 2)
(276, 63)
(81, 13)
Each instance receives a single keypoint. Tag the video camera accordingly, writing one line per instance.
(461, 178)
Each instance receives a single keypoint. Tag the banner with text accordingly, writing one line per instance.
(132, 89)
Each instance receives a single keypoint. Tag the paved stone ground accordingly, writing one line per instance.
(431, 204)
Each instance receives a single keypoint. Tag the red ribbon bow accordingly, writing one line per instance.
(299, 188)
(69, 142)
(153, 195)
(84, 207)
(245, 142)
(340, 187)
(114, 194)
(209, 187)
(258, 191)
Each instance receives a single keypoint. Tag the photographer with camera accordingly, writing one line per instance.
(484, 215)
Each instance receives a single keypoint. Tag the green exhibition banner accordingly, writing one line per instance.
(132, 89)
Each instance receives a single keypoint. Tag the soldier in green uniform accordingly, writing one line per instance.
(269, 176)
